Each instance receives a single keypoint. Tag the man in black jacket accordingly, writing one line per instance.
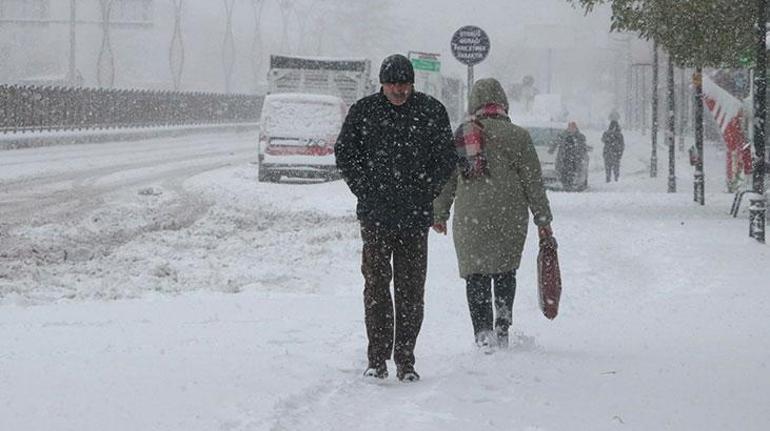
(395, 152)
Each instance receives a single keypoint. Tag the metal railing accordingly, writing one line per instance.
(35, 108)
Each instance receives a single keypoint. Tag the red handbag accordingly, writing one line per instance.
(548, 277)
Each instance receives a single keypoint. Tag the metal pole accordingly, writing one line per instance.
(629, 91)
(670, 136)
(470, 86)
(654, 132)
(682, 107)
(228, 45)
(758, 203)
(176, 48)
(548, 85)
(72, 71)
(644, 100)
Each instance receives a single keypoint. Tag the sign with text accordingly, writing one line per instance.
(427, 72)
(426, 64)
(470, 45)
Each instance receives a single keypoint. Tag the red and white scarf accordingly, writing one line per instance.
(469, 141)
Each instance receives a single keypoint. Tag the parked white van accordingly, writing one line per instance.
(297, 136)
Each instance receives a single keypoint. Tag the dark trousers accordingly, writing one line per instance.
(568, 172)
(478, 288)
(611, 167)
(409, 253)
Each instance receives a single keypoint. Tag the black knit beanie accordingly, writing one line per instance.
(396, 69)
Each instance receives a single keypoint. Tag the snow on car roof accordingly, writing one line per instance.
(302, 115)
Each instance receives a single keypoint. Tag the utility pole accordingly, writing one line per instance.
(654, 132)
(670, 135)
(176, 48)
(758, 202)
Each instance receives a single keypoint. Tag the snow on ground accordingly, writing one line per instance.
(185, 295)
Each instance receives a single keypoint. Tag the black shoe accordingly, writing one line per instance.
(376, 371)
(486, 342)
(407, 374)
(502, 337)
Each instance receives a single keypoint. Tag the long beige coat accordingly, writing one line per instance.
(491, 213)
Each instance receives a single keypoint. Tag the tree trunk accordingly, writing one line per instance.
(698, 180)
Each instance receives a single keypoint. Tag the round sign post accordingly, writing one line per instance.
(470, 46)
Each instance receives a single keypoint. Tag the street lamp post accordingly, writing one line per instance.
(228, 45)
(71, 70)
(671, 127)
(654, 131)
(176, 48)
(256, 44)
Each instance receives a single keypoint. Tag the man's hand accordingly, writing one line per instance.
(545, 231)
(440, 228)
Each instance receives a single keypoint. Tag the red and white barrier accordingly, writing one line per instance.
(728, 113)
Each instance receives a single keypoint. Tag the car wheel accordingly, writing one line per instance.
(268, 177)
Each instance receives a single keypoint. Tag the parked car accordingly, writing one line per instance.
(542, 138)
(297, 136)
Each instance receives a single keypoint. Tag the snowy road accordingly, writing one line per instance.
(66, 182)
(82, 202)
(159, 286)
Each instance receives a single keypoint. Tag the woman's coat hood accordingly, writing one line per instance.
(487, 91)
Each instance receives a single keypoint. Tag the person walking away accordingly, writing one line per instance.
(572, 148)
(395, 153)
(613, 150)
(496, 184)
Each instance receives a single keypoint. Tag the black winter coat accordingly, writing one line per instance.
(613, 144)
(396, 159)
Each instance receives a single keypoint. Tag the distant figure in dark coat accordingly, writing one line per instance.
(395, 151)
(572, 150)
(613, 150)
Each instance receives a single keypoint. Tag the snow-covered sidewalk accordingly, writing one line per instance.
(251, 318)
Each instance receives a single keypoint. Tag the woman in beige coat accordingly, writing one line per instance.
(496, 184)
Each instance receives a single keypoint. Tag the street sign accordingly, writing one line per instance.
(426, 64)
(427, 72)
(470, 45)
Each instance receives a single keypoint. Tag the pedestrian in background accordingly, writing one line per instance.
(395, 153)
(496, 184)
(571, 150)
(613, 150)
